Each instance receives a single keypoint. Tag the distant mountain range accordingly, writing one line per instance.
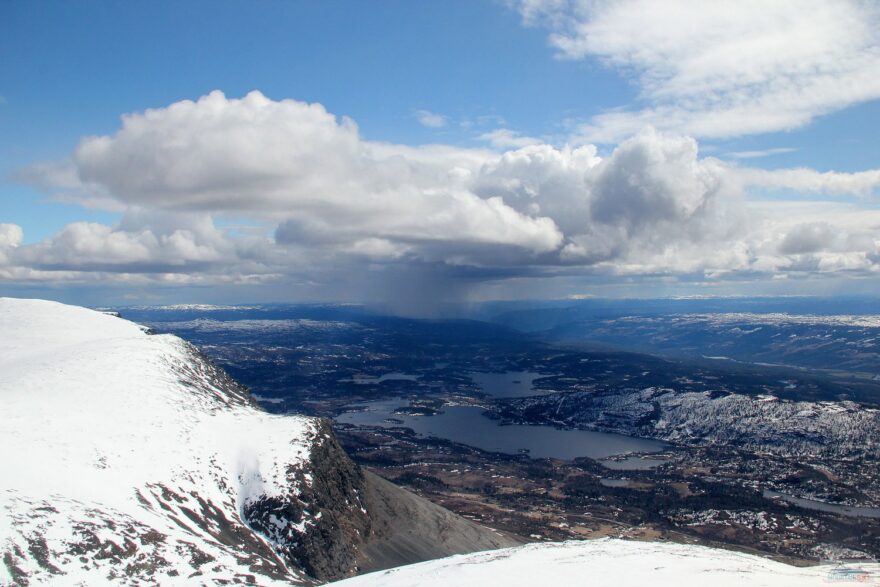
(766, 334)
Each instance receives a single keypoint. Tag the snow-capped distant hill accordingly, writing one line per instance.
(128, 457)
(837, 342)
(615, 563)
(840, 430)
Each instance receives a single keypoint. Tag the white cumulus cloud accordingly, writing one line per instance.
(328, 205)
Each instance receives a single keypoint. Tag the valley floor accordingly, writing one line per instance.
(688, 500)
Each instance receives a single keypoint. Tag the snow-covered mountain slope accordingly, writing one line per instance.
(609, 562)
(128, 457)
(124, 457)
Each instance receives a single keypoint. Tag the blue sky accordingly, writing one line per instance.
(481, 78)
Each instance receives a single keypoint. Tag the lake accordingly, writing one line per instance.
(822, 506)
(370, 380)
(614, 482)
(509, 384)
(467, 425)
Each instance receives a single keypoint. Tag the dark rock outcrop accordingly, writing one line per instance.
(350, 521)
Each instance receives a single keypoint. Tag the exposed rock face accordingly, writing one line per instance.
(129, 457)
(321, 529)
(365, 524)
(409, 528)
